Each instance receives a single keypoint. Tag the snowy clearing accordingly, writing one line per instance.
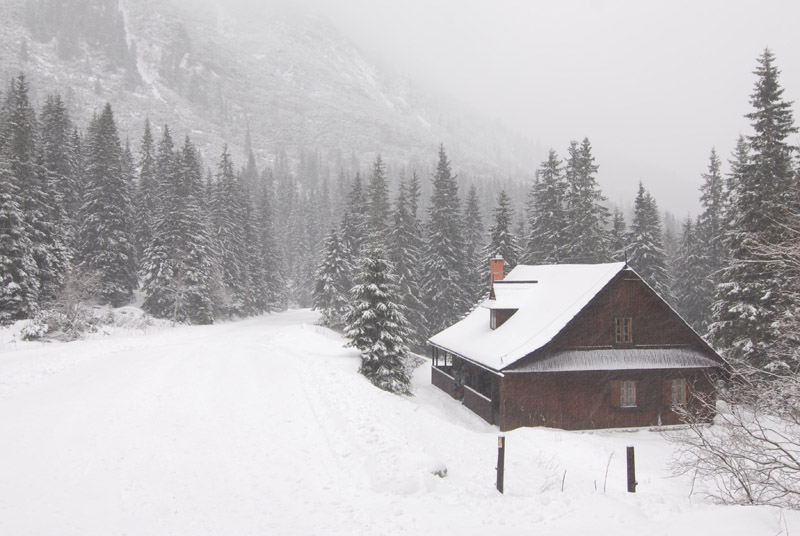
(263, 426)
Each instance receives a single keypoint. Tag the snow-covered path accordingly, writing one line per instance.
(264, 427)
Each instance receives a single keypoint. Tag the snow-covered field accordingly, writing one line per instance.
(263, 426)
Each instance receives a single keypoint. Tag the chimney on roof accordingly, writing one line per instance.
(496, 269)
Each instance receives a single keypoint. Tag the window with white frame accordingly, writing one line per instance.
(627, 393)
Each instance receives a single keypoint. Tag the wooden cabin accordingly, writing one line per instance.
(573, 347)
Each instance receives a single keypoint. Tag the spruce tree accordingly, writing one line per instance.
(691, 277)
(18, 272)
(146, 199)
(378, 208)
(646, 245)
(474, 258)
(331, 295)
(547, 219)
(106, 245)
(443, 264)
(502, 241)
(377, 327)
(618, 238)
(753, 295)
(586, 214)
(405, 249)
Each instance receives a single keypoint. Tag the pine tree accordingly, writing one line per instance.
(618, 240)
(274, 289)
(752, 299)
(378, 208)
(146, 198)
(547, 220)
(354, 223)
(443, 263)
(502, 241)
(228, 216)
(332, 287)
(404, 253)
(106, 246)
(586, 214)
(18, 272)
(377, 327)
(474, 258)
(691, 279)
(646, 247)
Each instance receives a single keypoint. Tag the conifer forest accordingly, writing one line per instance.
(90, 214)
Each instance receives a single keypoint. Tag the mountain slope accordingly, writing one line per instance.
(290, 77)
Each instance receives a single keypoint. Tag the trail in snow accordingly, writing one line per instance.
(264, 427)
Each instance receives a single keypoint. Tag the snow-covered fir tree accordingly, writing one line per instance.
(146, 198)
(474, 244)
(618, 237)
(18, 272)
(405, 247)
(691, 277)
(331, 295)
(753, 297)
(378, 208)
(586, 214)
(502, 240)
(106, 245)
(377, 327)
(547, 220)
(228, 216)
(178, 270)
(646, 252)
(443, 263)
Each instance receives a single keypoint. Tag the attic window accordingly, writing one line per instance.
(623, 332)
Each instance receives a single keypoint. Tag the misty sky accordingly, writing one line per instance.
(654, 85)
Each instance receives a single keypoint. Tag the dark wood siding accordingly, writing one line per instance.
(586, 400)
(653, 322)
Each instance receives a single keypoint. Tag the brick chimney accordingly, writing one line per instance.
(496, 269)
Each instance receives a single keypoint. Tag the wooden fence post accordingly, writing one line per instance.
(501, 460)
(631, 471)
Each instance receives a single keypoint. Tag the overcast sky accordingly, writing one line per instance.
(654, 85)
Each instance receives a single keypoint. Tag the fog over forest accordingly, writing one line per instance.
(653, 85)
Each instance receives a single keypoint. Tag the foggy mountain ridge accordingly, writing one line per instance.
(289, 77)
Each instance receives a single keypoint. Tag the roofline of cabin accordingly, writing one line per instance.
(481, 365)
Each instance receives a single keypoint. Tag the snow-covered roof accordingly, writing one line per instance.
(619, 359)
(545, 307)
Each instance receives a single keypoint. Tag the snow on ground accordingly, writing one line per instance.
(263, 426)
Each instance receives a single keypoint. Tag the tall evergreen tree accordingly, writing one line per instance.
(331, 295)
(443, 261)
(405, 249)
(691, 277)
(474, 259)
(146, 199)
(378, 208)
(646, 246)
(18, 272)
(502, 240)
(228, 215)
(106, 245)
(753, 294)
(618, 239)
(377, 327)
(547, 219)
(586, 213)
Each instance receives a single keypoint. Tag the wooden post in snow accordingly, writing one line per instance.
(501, 461)
(631, 471)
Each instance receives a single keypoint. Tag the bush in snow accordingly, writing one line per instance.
(377, 327)
(751, 453)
